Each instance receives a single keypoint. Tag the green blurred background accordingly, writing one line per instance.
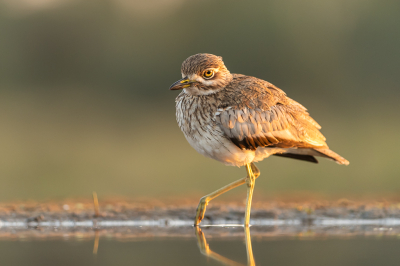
(85, 105)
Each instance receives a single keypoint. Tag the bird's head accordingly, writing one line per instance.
(203, 74)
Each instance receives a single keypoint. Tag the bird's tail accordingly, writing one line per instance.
(327, 153)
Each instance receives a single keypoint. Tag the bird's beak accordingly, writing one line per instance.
(181, 84)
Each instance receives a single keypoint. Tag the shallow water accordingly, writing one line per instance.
(225, 248)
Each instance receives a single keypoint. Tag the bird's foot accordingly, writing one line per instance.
(201, 209)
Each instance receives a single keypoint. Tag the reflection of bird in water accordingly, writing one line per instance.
(239, 120)
(205, 249)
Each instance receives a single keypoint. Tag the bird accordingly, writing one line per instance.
(240, 120)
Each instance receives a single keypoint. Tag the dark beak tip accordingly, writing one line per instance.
(174, 87)
(178, 85)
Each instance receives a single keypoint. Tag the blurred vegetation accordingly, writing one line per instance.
(85, 105)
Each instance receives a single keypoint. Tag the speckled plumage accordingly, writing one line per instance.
(238, 119)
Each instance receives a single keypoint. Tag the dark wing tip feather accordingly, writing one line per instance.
(307, 158)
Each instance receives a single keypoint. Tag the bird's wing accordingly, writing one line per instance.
(262, 115)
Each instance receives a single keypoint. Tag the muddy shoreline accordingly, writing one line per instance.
(122, 219)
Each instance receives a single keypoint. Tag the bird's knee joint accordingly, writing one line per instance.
(255, 170)
(250, 181)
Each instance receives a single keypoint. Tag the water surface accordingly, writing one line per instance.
(306, 248)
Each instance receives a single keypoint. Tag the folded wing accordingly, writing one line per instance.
(284, 126)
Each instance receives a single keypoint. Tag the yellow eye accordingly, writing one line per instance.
(209, 73)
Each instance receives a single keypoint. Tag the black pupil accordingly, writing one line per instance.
(208, 73)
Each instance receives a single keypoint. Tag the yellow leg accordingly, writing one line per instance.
(250, 188)
(201, 208)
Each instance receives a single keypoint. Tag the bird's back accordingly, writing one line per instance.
(253, 108)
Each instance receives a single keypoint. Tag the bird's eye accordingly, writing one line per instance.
(208, 74)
